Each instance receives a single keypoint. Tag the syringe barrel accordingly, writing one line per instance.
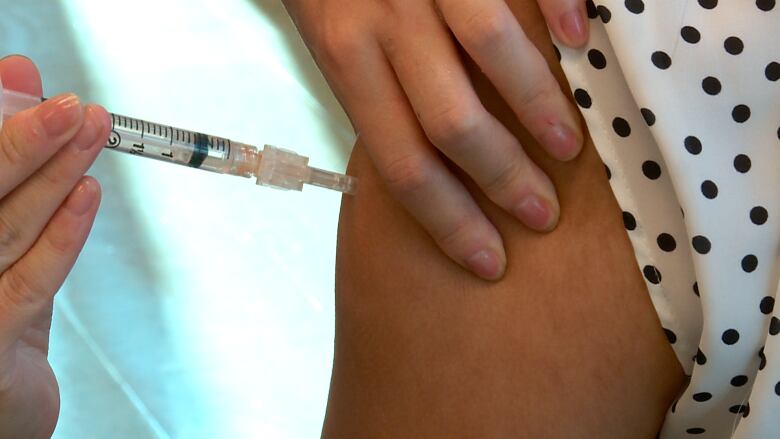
(275, 167)
(175, 145)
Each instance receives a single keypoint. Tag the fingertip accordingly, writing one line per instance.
(19, 73)
(538, 213)
(96, 191)
(562, 142)
(61, 115)
(93, 186)
(102, 114)
(489, 263)
(104, 117)
(555, 218)
(573, 28)
(83, 197)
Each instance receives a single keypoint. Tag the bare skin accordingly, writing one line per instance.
(566, 345)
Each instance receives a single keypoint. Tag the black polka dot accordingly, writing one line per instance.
(651, 170)
(583, 98)
(772, 71)
(765, 5)
(648, 116)
(701, 244)
(758, 215)
(709, 189)
(608, 171)
(762, 359)
(749, 263)
(629, 221)
(777, 388)
(604, 13)
(690, 34)
(696, 430)
(591, 8)
(652, 274)
(597, 59)
(774, 326)
(661, 60)
(711, 85)
(733, 45)
(621, 127)
(730, 336)
(736, 409)
(767, 305)
(747, 410)
(700, 357)
(740, 113)
(739, 380)
(708, 4)
(671, 336)
(666, 242)
(742, 163)
(635, 6)
(702, 396)
(696, 289)
(693, 145)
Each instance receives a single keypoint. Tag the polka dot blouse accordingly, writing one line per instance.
(682, 99)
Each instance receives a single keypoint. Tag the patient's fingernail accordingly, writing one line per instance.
(573, 25)
(535, 213)
(486, 264)
(561, 141)
(58, 115)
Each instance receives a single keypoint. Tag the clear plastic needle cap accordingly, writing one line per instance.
(284, 169)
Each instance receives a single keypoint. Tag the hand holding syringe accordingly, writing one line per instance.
(274, 167)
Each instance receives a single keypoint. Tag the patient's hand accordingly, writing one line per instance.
(399, 73)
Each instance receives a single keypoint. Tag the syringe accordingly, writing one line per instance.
(274, 167)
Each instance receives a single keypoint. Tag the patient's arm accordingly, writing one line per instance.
(567, 345)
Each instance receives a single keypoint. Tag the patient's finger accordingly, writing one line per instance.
(494, 39)
(434, 78)
(412, 169)
(567, 20)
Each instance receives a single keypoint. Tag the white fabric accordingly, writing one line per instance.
(646, 64)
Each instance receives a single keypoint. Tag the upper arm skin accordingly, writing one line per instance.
(566, 345)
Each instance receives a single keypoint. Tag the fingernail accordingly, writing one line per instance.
(535, 213)
(88, 134)
(561, 142)
(58, 115)
(82, 198)
(573, 25)
(486, 264)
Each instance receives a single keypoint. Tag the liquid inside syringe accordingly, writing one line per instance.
(274, 167)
